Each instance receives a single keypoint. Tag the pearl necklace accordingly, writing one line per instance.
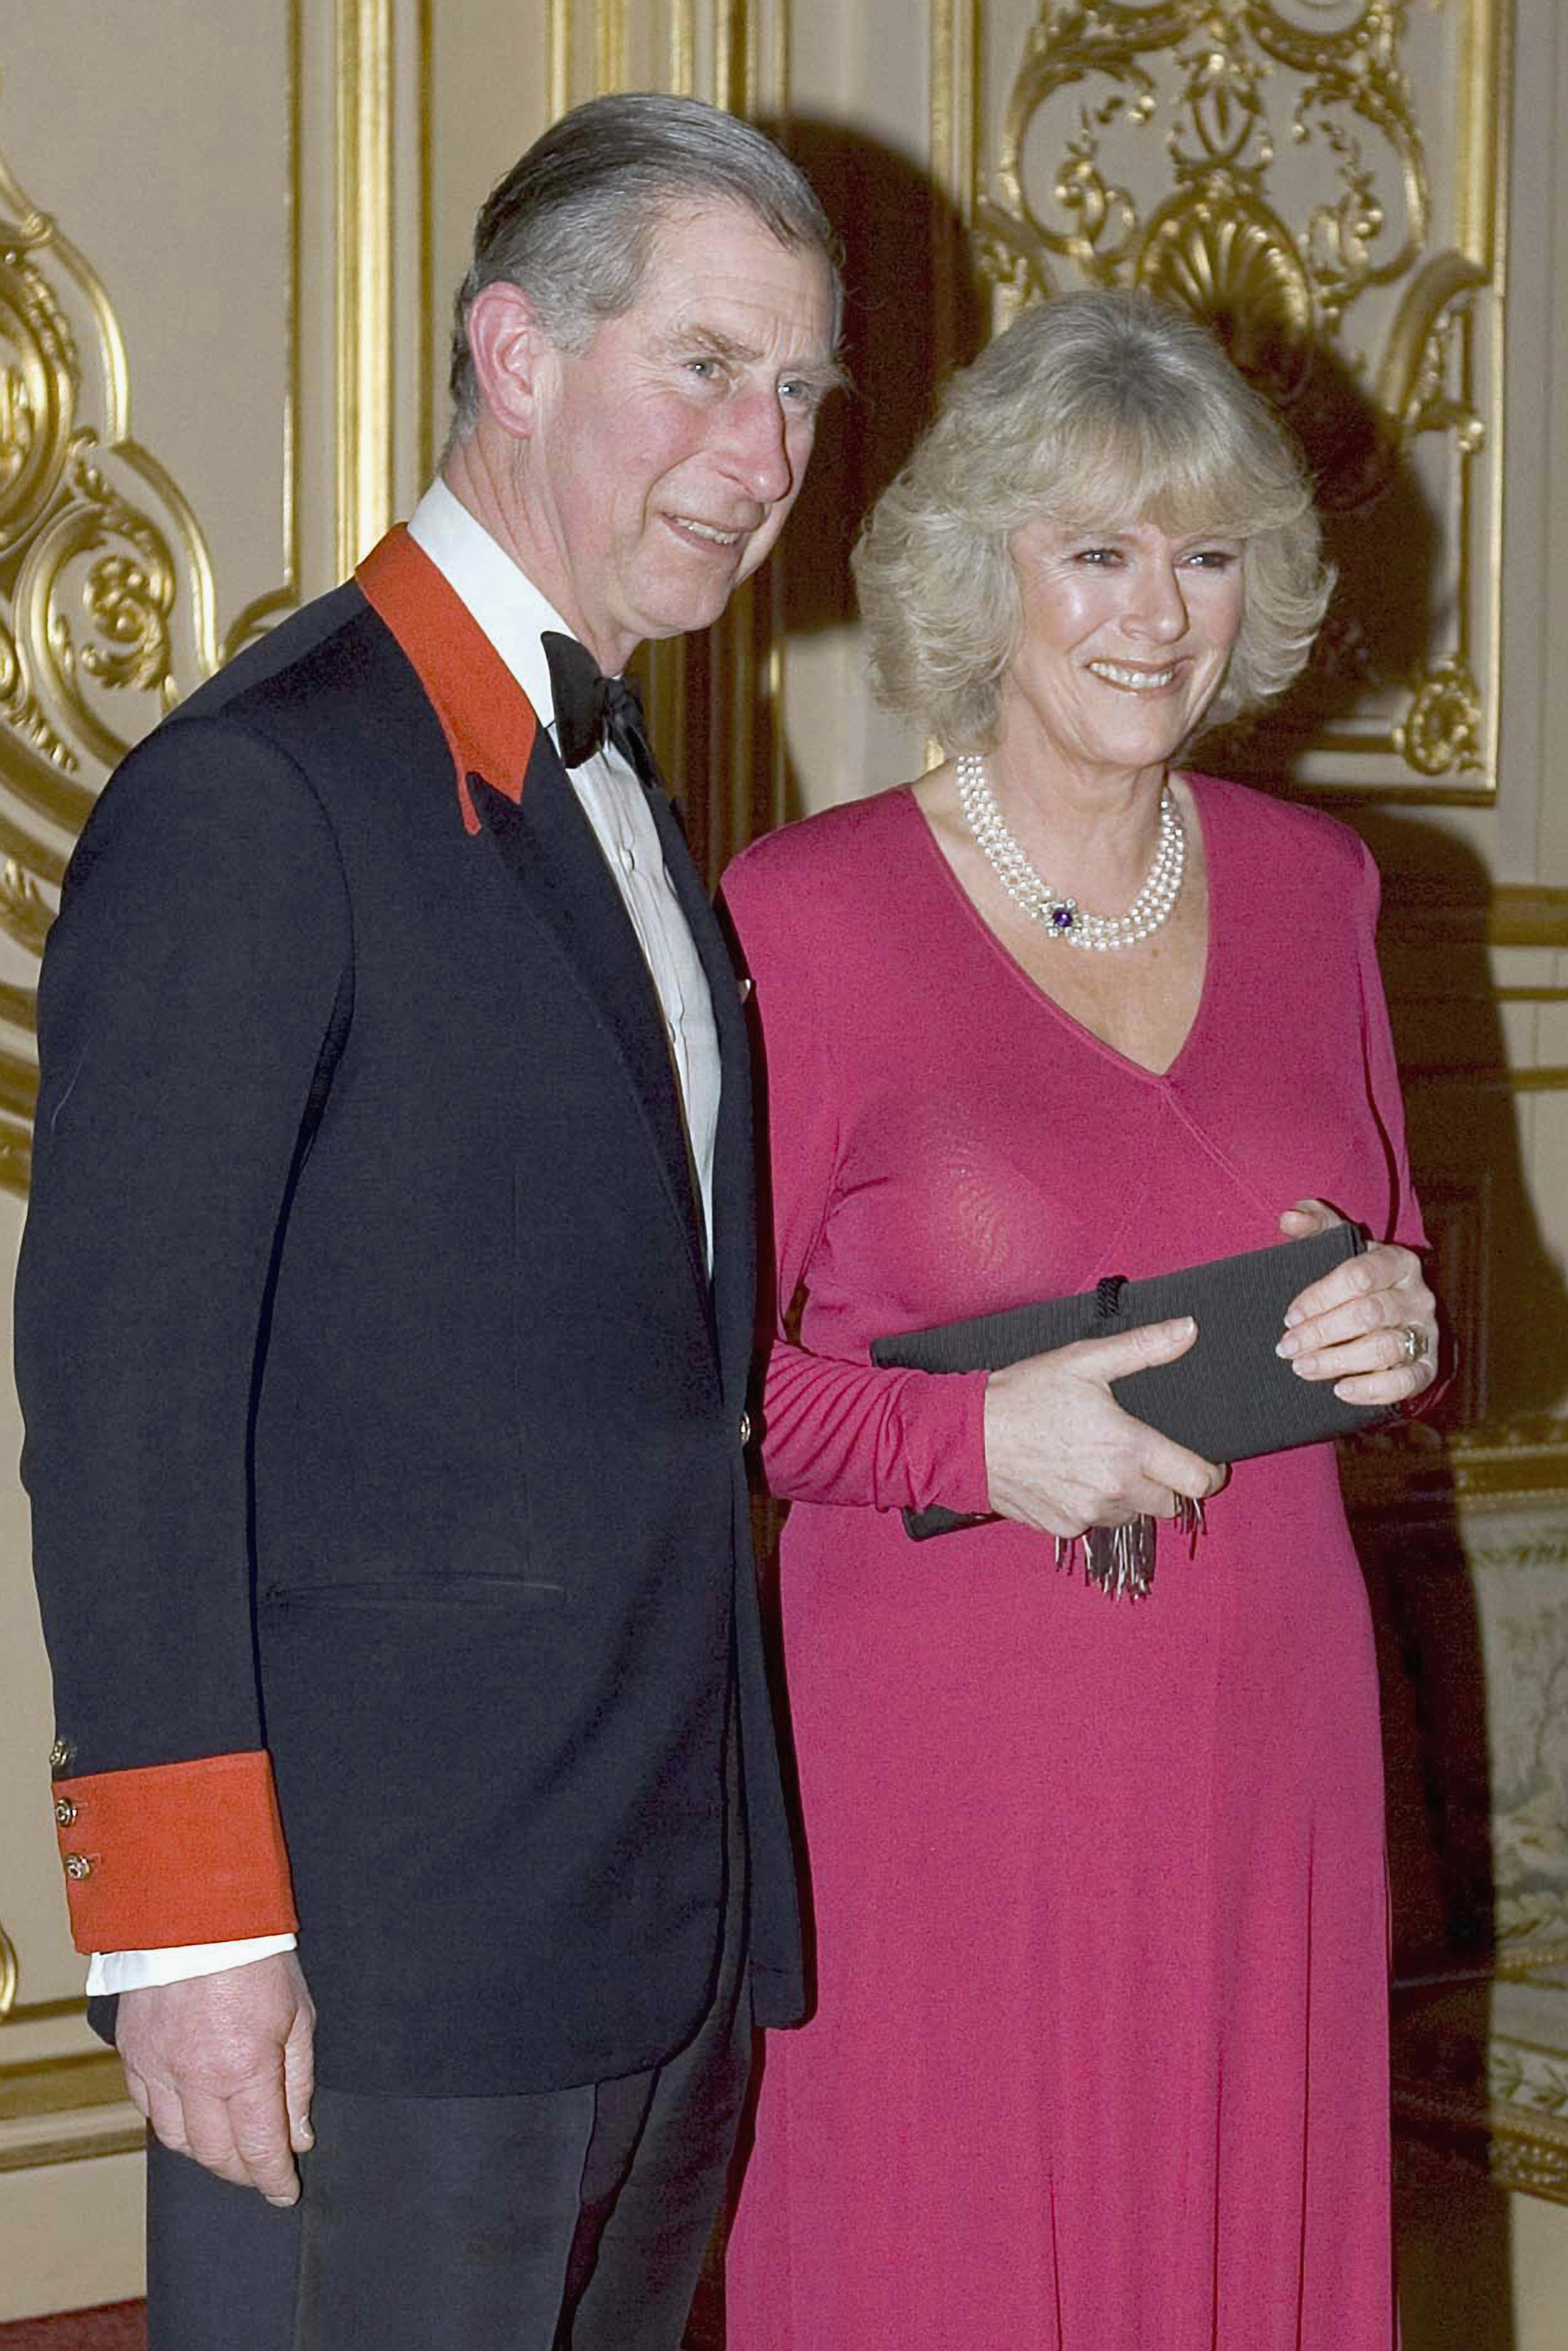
(1064, 918)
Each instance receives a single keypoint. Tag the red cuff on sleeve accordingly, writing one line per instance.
(175, 1853)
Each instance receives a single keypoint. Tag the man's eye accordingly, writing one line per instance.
(706, 367)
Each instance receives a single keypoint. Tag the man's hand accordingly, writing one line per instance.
(222, 2066)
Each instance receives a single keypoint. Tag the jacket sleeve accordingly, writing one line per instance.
(187, 991)
(832, 1430)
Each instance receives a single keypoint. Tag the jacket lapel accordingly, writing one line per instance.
(510, 786)
(549, 847)
(734, 1200)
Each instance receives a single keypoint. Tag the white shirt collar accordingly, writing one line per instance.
(511, 609)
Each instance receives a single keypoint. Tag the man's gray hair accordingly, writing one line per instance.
(1095, 410)
(573, 222)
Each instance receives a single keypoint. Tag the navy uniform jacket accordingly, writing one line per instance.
(384, 1435)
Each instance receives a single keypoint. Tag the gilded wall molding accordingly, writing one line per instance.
(66, 2110)
(954, 129)
(8, 1975)
(1268, 163)
(364, 271)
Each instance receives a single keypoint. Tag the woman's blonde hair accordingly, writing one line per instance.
(1092, 410)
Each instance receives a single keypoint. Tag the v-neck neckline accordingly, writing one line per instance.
(1005, 956)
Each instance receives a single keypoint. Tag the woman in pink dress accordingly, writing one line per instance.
(1098, 2060)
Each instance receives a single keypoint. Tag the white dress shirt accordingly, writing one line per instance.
(514, 615)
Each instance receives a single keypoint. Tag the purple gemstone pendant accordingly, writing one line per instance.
(1062, 917)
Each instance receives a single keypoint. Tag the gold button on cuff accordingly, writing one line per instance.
(744, 1429)
(65, 1811)
(60, 1754)
(77, 1866)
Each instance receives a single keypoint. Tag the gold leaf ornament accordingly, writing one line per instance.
(1441, 730)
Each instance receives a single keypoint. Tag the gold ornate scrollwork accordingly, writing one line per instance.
(1441, 730)
(104, 553)
(1264, 163)
(107, 611)
(24, 914)
(40, 383)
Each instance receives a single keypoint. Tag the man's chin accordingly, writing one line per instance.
(677, 615)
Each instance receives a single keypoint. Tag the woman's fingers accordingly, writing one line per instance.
(1307, 1217)
(1125, 1351)
(1371, 1327)
(1063, 1455)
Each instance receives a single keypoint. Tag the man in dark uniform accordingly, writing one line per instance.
(383, 1332)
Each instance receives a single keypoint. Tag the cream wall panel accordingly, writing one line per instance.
(489, 86)
(71, 2236)
(178, 204)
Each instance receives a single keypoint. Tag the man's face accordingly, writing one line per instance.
(664, 457)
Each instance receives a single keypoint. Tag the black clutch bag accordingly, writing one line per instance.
(1229, 1397)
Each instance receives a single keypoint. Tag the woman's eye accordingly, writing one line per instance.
(1213, 559)
(1098, 555)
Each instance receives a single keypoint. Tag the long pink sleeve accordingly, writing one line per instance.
(834, 1430)
(1382, 1070)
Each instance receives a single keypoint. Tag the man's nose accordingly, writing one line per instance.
(754, 445)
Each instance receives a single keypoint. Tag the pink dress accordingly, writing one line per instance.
(1099, 2056)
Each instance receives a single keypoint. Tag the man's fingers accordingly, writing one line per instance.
(259, 2120)
(300, 2081)
(166, 2112)
(209, 2137)
(136, 2090)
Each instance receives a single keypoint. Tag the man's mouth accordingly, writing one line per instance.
(708, 533)
(1138, 681)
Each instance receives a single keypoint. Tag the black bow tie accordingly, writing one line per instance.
(591, 709)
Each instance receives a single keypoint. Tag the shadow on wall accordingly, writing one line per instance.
(916, 307)
(1455, 2283)
(914, 304)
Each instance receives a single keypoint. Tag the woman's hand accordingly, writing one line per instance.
(1354, 1326)
(1060, 1453)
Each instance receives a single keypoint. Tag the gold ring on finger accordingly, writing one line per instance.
(1412, 1343)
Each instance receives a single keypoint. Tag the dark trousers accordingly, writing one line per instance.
(564, 2220)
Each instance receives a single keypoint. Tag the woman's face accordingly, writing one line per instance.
(1124, 641)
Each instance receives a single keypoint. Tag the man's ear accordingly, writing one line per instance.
(509, 351)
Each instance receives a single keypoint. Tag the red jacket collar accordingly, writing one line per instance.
(489, 723)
